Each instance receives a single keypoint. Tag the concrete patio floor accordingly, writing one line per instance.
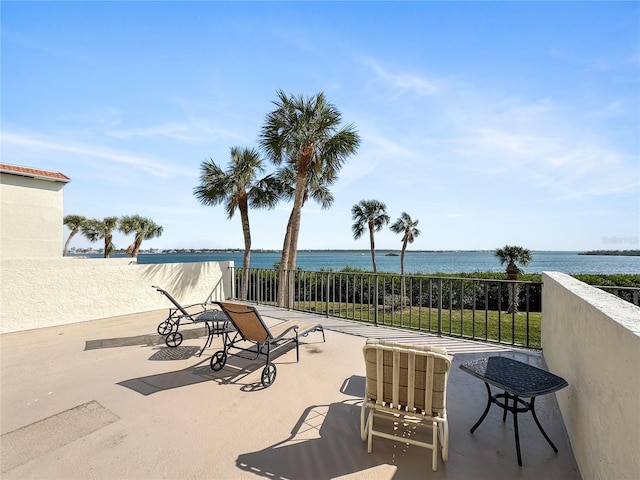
(107, 399)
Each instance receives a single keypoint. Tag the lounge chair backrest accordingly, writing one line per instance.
(247, 321)
(411, 377)
(172, 300)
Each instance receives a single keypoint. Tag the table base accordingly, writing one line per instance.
(518, 406)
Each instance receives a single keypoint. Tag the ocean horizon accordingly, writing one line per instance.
(416, 262)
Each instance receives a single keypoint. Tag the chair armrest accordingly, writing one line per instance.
(283, 334)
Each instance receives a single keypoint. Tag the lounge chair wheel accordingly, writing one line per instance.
(173, 339)
(218, 360)
(268, 375)
(165, 328)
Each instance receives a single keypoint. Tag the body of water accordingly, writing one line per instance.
(417, 262)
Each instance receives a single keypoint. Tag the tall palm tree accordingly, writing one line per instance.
(144, 228)
(238, 188)
(513, 255)
(74, 223)
(371, 215)
(409, 230)
(94, 230)
(305, 133)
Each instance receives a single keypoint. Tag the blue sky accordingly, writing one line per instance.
(492, 123)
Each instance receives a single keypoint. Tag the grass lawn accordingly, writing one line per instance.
(519, 329)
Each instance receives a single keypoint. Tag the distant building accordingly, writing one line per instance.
(31, 212)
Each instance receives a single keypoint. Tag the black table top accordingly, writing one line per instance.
(514, 377)
(213, 316)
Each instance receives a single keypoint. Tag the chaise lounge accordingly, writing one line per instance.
(254, 338)
(214, 320)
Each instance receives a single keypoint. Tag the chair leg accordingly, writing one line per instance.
(297, 348)
(434, 450)
(370, 430)
(363, 424)
(444, 441)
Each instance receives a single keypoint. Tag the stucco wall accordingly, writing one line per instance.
(30, 217)
(592, 339)
(38, 293)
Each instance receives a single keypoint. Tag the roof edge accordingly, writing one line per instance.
(34, 173)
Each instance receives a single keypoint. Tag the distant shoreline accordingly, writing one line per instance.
(618, 253)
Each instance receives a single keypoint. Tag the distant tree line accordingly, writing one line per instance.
(632, 253)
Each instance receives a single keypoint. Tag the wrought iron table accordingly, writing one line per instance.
(518, 380)
(217, 324)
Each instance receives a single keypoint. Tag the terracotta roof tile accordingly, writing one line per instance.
(33, 172)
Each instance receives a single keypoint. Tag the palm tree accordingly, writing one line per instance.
(238, 188)
(95, 230)
(304, 133)
(74, 223)
(370, 214)
(409, 230)
(144, 228)
(512, 255)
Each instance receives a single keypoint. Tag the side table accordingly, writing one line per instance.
(518, 380)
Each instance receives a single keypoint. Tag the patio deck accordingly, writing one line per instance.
(107, 400)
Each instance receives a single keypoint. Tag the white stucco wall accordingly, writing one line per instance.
(30, 217)
(43, 292)
(592, 339)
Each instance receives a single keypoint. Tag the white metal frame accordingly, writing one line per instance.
(415, 411)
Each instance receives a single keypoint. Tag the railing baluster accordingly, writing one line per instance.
(440, 307)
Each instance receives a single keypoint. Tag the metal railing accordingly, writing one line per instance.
(500, 311)
(630, 294)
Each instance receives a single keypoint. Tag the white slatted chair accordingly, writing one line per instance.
(406, 384)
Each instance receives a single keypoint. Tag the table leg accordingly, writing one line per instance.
(535, 417)
(207, 343)
(486, 410)
(515, 426)
(506, 404)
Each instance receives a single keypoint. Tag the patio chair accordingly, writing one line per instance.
(406, 384)
(214, 320)
(254, 338)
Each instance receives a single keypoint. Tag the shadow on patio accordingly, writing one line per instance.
(105, 399)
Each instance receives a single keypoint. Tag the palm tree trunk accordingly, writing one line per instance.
(286, 291)
(136, 245)
(246, 231)
(296, 213)
(402, 285)
(107, 246)
(373, 249)
(66, 244)
(293, 254)
(293, 239)
(514, 290)
(284, 260)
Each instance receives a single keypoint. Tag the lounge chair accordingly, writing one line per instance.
(406, 384)
(255, 338)
(215, 321)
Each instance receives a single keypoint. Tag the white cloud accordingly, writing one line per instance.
(44, 145)
(404, 82)
(175, 131)
(541, 144)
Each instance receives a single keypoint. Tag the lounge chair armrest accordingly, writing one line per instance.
(283, 334)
